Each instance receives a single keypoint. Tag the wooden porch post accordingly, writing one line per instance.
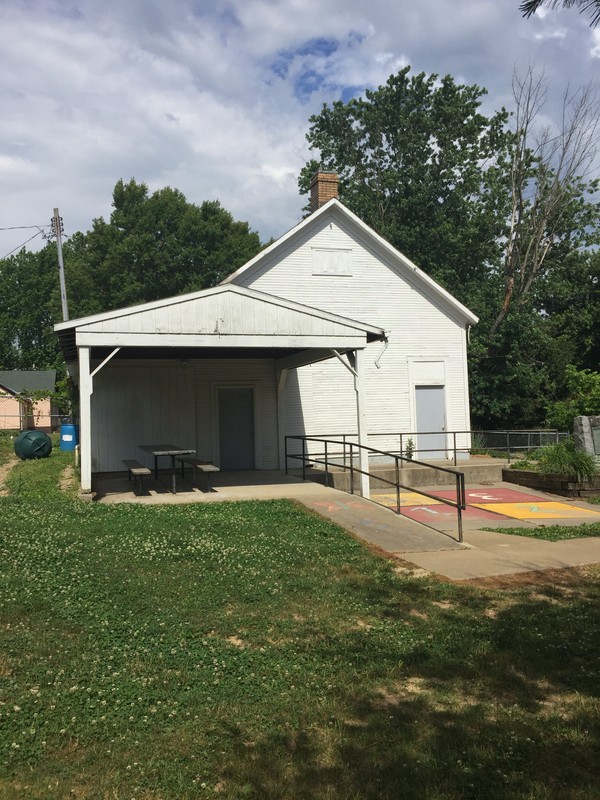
(85, 418)
(361, 417)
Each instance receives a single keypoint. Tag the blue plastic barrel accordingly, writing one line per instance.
(68, 436)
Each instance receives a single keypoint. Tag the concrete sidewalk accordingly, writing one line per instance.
(482, 553)
(488, 554)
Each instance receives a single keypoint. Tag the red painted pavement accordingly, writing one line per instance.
(499, 495)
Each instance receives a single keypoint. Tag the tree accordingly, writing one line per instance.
(154, 246)
(583, 398)
(529, 7)
(421, 164)
(26, 337)
(549, 218)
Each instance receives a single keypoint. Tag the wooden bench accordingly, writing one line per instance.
(205, 467)
(137, 471)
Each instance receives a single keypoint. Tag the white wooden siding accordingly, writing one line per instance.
(223, 314)
(144, 402)
(137, 403)
(420, 326)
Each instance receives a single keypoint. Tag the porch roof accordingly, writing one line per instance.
(227, 321)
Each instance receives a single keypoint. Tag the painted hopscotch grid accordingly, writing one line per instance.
(486, 503)
(543, 510)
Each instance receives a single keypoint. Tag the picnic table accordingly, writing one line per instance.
(172, 450)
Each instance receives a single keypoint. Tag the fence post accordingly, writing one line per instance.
(454, 438)
(351, 468)
(397, 485)
(508, 446)
(286, 454)
(460, 503)
(326, 466)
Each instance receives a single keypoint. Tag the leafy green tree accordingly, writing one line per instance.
(26, 337)
(583, 398)
(154, 246)
(421, 164)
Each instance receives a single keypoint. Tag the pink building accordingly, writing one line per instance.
(19, 414)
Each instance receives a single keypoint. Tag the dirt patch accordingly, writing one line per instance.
(236, 641)
(67, 479)
(554, 577)
(410, 571)
(4, 473)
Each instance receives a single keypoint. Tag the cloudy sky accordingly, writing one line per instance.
(213, 96)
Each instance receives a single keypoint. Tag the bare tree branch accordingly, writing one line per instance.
(548, 166)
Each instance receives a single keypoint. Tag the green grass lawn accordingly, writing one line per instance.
(553, 533)
(253, 650)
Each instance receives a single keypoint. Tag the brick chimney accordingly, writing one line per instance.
(323, 187)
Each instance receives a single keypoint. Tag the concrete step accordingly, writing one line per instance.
(485, 470)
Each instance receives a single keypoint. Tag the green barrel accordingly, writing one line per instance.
(33, 444)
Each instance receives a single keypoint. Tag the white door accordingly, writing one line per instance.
(236, 427)
(431, 420)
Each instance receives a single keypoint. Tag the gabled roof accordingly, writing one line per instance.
(223, 317)
(16, 381)
(403, 265)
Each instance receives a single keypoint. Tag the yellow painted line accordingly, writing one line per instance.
(542, 510)
(406, 499)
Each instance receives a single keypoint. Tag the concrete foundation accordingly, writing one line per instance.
(477, 471)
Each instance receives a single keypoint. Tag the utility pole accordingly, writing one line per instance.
(57, 227)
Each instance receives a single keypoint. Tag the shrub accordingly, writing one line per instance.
(583, 398)
(564, 460)
(524, 463)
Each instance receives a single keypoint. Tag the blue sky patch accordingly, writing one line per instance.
(307, 82)
(321, 47)
(307, 57)
(350, 92)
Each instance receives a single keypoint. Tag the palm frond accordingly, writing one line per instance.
(529, 7)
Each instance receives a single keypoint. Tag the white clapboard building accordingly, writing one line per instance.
(328, 331)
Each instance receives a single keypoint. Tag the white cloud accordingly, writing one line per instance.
(215, 100)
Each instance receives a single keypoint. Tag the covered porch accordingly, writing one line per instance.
(207, 371)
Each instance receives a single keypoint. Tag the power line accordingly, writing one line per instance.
(22, 227)
(39, 233)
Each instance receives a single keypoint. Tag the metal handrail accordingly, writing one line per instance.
(510, 450)
(460, 504)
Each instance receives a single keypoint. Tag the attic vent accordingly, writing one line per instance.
(323, 188)
(331, 261)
